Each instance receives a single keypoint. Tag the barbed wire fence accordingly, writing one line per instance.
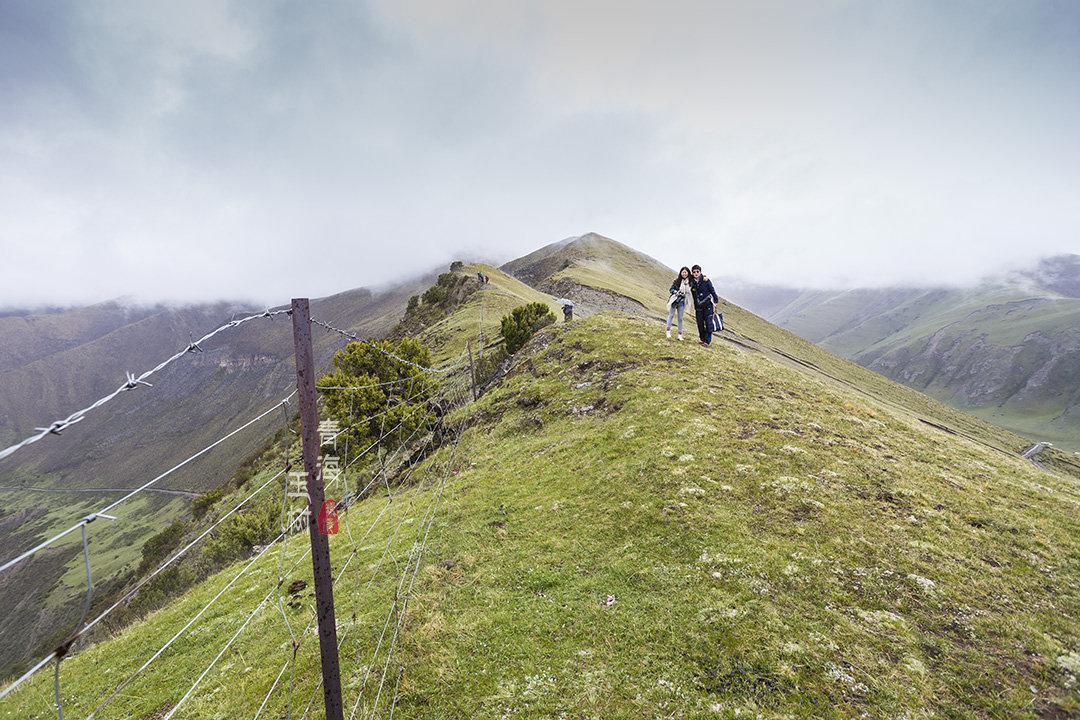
(389, 475)
(132, 382)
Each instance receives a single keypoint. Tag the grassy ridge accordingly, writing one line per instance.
(638, 527)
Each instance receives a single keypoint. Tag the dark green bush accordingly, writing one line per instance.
(488, 365)
(201, 504)
(523, 322)
(236, 537)
(436, 295)
(159, 545)
(449, 292)
(369, 413)
(170, 584)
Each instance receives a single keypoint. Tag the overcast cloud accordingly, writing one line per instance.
(257, 150)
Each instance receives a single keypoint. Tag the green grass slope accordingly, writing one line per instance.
(137, 436)
(482, 309)
(632, 527)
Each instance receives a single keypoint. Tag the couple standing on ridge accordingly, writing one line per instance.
(691, 284)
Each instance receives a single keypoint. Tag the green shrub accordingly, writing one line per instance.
(488, 365)
(169, 584)
(446, 292)
(371, 412)
(159, 545)
(449, 292)
(435, 295)
(523, 322)
(201, 504)
(240, 533)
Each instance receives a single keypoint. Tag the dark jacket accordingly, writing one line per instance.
(704, 294)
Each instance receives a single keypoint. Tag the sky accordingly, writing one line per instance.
(192, 151)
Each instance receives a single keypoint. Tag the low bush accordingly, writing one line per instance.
(523, 322)
(393, 394)
(243, 531)
(159, 545)
(203, 503)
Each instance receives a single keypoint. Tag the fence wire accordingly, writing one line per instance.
(131, 382)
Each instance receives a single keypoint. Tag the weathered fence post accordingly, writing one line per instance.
(320, 545)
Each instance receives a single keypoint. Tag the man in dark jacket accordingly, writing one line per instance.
(705, 301)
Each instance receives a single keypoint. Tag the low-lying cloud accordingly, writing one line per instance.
(261, 151)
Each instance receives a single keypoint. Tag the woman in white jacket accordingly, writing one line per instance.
(680, 293)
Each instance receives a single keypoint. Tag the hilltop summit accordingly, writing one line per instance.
(597, 273)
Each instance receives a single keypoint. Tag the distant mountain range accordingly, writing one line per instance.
(1007, 350)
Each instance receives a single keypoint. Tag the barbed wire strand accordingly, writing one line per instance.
(369, 418)
(397, 594)
(58, 426)
(82, 524)
(304, 633)
(374, 344)
(394, 527)
(61, 652)
(353, 554)
(290, 662)
(269, 693)
(82, 630)
(221, 653)
(229, 644)
(101, 513)
(189, 623)
(389, 613)
(480, 333)
(416, 566)
(364, 387)
(382, 634)
(247, 621)
(280, 584)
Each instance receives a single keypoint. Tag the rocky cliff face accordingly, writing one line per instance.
(588, 300)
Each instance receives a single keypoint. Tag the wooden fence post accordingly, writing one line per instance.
(320, 545)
